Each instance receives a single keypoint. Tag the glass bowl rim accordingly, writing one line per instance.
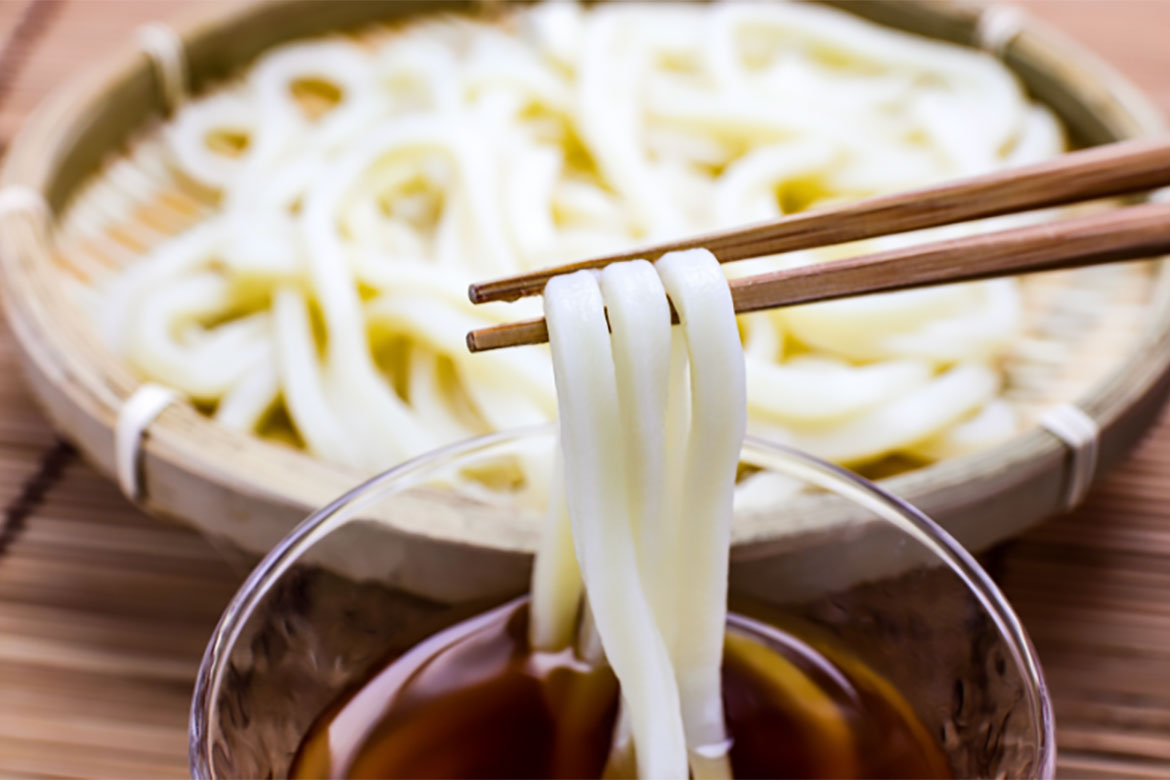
(835, 478)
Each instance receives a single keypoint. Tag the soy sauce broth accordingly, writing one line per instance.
(473, 701)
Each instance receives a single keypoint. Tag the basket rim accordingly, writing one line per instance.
(63, 355)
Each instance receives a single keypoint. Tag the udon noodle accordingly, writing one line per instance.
(363, 183)
(650, 432)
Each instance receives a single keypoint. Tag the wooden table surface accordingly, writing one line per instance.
(104, 612)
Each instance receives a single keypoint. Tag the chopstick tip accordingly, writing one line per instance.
(500, 290)
(513, 335)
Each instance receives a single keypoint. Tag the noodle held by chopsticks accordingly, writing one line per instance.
(650, 430)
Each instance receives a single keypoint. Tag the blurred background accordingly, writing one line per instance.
(104, 612)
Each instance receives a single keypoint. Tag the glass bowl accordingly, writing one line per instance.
(355, 584)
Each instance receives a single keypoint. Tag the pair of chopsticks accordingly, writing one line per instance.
(1129, 233)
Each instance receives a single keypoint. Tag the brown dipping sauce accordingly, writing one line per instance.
(473, 701)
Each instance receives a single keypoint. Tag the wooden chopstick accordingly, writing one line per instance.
(1099, 172)
(1124, 234)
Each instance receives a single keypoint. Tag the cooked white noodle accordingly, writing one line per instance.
(454, 150)
(597, 494)
(651, 529)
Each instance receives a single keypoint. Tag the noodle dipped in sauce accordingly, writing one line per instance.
(624, 662)
(485, 705)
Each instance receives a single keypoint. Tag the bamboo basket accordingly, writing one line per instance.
(1096, 337)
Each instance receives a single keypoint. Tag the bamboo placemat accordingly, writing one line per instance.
(104, 612)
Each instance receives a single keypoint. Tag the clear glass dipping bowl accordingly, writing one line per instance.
(845, 559)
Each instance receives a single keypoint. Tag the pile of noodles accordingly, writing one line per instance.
(362, 184)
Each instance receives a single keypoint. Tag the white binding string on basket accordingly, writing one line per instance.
(1081, 434)
(139, 411)
(18, 198)
(997, 27)
(164, 48)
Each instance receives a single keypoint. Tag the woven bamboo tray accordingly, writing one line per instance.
(1115, 367)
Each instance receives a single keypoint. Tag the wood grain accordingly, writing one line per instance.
(1115, 236)
(104, 612)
